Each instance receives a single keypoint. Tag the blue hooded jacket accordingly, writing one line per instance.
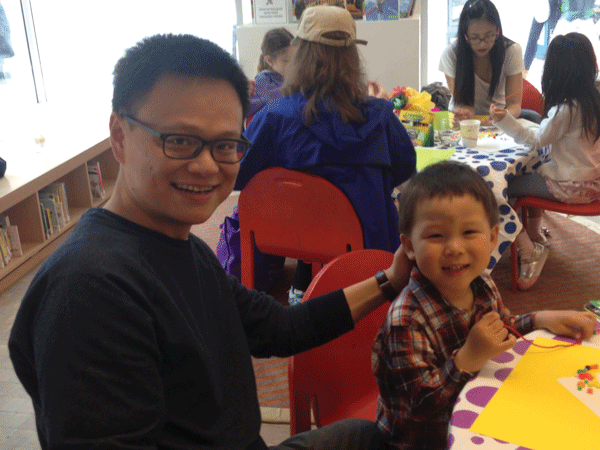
(366, 161)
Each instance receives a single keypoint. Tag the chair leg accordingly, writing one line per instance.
(514, 266)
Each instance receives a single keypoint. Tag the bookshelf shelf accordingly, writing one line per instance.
(29, 172)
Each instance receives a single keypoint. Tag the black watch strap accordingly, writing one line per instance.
(386, 287)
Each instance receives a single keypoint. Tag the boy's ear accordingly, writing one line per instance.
(117, 137)
(408, 246)
(494, 237)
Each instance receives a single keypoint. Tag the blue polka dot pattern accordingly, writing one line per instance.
(497, 167)
(510, 227)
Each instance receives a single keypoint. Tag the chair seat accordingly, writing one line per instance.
(583, 209)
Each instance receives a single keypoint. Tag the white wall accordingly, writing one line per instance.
(391, 57)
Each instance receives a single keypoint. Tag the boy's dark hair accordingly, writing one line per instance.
(440, 94)
(445, 179)
(185, 55)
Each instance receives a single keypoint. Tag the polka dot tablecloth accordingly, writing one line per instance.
(478, 392)
(497, 160)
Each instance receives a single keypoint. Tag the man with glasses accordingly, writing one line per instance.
(131, 335)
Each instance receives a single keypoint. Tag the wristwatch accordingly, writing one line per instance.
(386, 287)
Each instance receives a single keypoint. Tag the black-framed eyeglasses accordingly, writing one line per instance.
(487, 39)
(189, 146)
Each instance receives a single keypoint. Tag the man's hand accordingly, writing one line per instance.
(487, 339)
(399, 272)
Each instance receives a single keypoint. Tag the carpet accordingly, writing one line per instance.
(570, 278)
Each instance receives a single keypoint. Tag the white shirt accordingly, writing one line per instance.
(513, 64)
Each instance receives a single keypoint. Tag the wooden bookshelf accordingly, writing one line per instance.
(33, 168)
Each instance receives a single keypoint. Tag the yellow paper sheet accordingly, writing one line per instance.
(534, 410)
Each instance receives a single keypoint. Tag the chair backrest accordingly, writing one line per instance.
(532, 99)
(297, 215)
(335, 379)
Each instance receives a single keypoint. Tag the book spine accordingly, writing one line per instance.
(15, 240)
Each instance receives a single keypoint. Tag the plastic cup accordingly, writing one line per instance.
(469, 130)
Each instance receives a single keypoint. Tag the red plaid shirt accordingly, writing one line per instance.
(413, 364)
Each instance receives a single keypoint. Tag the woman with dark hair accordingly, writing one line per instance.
(571, 129)
(329, 124)
(482, 66)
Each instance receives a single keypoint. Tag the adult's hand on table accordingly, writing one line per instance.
(462, 113)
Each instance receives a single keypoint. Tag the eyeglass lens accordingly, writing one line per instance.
(224, 150)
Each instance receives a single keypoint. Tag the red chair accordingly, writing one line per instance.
(586, 209)
(335, 380)
(296, 215)
(532, 99)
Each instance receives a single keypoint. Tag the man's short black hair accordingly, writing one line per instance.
(445, 179)
(185, 55)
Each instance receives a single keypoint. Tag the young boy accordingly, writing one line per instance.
(449, 320)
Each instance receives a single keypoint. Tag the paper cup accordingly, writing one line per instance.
(469, 130)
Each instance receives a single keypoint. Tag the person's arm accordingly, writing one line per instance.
(551, 130)
(276, 330)
(575, 324)
(402, 151)
(96, 363)
(514, 94)
(367, 296)
(461, 112)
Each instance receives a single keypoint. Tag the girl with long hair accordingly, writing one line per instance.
(571, 129)
(328, 125)
(482, 66)
(276, 54)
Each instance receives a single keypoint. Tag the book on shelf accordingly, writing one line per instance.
(5, 250)
(57, 213)
(96, 184)
(14, 240)
(47, 215)
(60, 193)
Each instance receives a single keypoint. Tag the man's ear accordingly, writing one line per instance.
(408, 246)
(117, 137)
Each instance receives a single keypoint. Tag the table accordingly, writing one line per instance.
(497, 160)
(478, 392)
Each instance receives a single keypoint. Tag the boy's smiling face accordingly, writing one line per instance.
(451, 242)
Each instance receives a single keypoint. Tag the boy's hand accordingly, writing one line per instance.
(497, 114)
(251, 87)
(576, 324)
(486, 340)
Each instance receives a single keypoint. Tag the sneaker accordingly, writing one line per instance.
(295, 296)
(531, 268)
